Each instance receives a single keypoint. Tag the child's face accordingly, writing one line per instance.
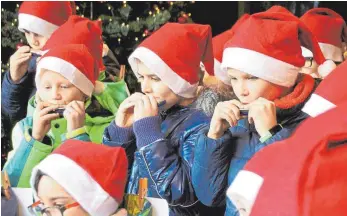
(249, 88)
(151, 84)
(35, 41)
(51, 194)
(56, 89)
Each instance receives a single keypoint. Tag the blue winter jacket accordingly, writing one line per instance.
(217, 162)
(161, 149)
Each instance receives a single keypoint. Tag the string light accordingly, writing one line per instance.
(2, 9)
(143, 35)
(136, 39)
(15, 20)
(8, 64)
(100, 19)
(3, 70)
(82, 15)
(123, 24)
(127, 25)
(189, 14)
(150, 13)
(124, 2)
(119, 39)
(110, 20)
(171, 3)
(153, 15)
(193, 2)
(12, 24)
(138, 19)
(125, 5)
(109, 7)
(17, 5)
(77, 8)
(163, 8)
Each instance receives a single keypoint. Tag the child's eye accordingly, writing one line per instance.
(156, 79)
(233, 78)
(140, 79)
(47, 87)
(252, 78)
(64, 86)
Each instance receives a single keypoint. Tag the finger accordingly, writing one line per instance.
(135, 97)
(76, 105)
(22, 60)
(224, 116)
(22, 55)
(23, 49)
(69, 111)
(49, 117)
(235, 111)
(238, 104)
(146, 102)
(250, 117)
(154, 102)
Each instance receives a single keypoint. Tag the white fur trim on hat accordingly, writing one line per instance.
(67, 70)
(331, 52)
(220, 73)
(306, 52)
(260, 65)
(326, 68)
(317, 105)
(78, 183)
(156, 65)
(36, 25)
(244, 190)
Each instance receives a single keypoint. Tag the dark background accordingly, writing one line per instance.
(220, 15)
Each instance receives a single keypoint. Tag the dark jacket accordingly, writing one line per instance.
(217, 162)
(161, 149)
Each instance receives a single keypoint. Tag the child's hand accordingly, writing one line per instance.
(146, 107)
(105, 50)
(42, 120)
(226, 114)
(75, 115)
(125, 114)
(19, 63)
(262, 113)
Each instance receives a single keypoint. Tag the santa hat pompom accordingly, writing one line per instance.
(326, 68)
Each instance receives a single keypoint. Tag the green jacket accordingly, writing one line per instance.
(28, 152)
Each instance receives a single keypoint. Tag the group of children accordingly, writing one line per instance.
(193, 157)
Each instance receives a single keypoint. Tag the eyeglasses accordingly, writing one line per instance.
(38, 209)
(308, 62)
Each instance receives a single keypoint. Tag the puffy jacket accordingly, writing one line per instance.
(28, 152)
(217, 162)
(161, 149)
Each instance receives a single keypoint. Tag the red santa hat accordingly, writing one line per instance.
(43, 17)
(175, 58)
(330, 92)
(267, 45)
(330, 30)
(79, 30)
(98, 184)
(303, 175)
(72, 61)
(218, 43)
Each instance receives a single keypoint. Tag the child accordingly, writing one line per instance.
(83, 186)
(263, 66)
(65, 79)
(160, 141)
(331, 31)
(102, 106)
(37, 20)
